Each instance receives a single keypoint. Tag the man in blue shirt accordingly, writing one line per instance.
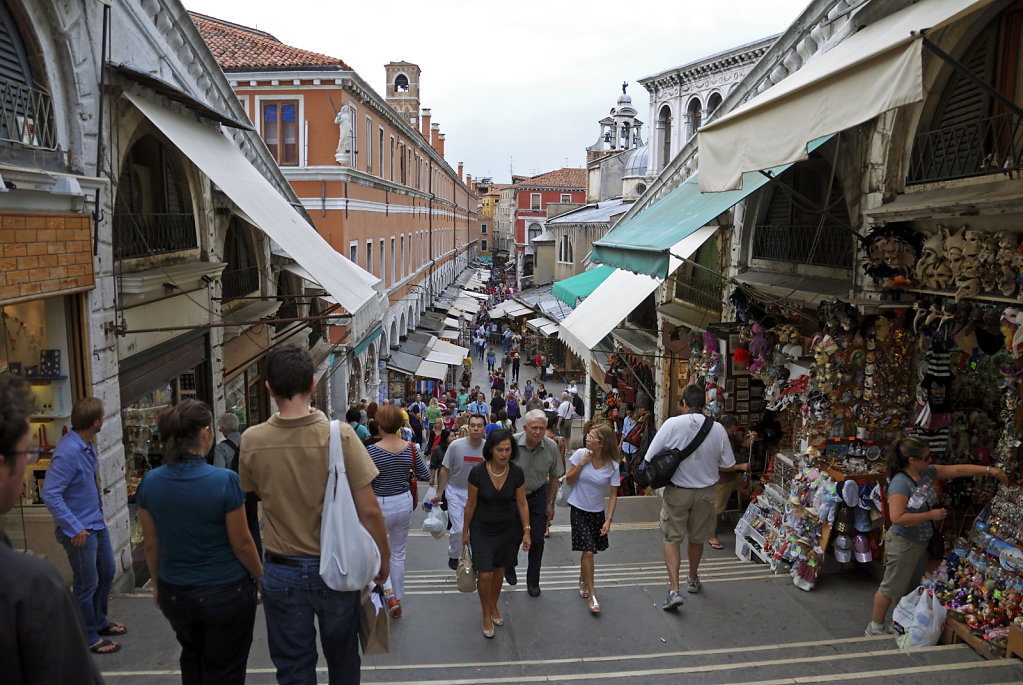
(72, 494)
(480, 406)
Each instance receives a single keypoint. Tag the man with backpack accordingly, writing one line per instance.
(226, 456)
(688, 500)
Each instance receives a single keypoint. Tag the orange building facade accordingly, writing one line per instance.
(368, 169)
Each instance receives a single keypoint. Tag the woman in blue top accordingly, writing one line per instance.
(206, 572)
(911, 500)
(593, 473)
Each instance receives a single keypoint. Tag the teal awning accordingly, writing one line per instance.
(367, 341)
(641, 243)
(578, 287)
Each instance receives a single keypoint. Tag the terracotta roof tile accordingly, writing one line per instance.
(562, 178)
(237, 47)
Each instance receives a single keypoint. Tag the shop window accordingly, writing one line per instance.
(152, 209)
(280, 125)
(37, 344)
(795, 229)
(241, 276)
(970, 133)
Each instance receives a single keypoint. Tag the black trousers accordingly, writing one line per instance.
(537, 504)
(214, 626)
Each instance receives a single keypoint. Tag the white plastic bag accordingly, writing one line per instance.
(436, 522)
(564, 490)
(430, 494)
(349, 557)
(918, 619)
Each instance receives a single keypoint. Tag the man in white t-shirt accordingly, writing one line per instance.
(459, 459)
(565, 413)
(688, 500)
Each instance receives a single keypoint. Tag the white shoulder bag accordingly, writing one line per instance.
(349, 557)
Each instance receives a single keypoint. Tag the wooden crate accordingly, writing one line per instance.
(957, 631)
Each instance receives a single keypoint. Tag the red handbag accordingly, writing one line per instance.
(629, 394)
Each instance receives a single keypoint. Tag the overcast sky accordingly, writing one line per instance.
(518, 85)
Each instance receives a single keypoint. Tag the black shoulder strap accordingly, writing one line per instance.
(701, 435)
(233, 465)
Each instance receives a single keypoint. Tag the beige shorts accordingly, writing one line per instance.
(688, 511)
(907, 563)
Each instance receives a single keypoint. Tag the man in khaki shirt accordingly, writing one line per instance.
(540, 460)
(285, 461)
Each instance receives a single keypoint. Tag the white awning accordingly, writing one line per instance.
(543, 326)
(220, 159)
(872, 71)
(454, 350)
(467, 304)
(473, 293)
(452, 323)
(550, 329)
(516, 309)
(429, 369)
(617, 296)
(499, 311)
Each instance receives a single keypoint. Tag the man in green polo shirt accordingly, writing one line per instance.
(540, 460)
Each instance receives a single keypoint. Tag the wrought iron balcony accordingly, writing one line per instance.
(26, 116)
(239, 282)
(834, 245)
(142, 235)
(705, 293)
(973, 148)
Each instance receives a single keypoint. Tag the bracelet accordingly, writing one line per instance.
(527, 528)
(989, 469)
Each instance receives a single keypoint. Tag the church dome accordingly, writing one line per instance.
(636, 162)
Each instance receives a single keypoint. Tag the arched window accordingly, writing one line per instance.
(712, 104)
(664, 130)
(152, 208)
(565, 250)
(241, 276)
(401, 84)
(694, 112)
(794, 229)
(26, 116)
(969, 132)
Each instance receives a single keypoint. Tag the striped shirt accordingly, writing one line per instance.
(394, 470)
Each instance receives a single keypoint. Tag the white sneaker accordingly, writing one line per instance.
(694, 585)
(673, 601)
(873, 630)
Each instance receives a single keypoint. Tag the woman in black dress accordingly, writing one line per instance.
(497, 497)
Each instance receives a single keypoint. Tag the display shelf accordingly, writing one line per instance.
(44, 379)
(39, 418)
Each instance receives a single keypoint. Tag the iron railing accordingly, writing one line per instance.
(974, 148)
(26, 115)
(834, 245)
(705, 293)
(239, 282)
(141, 235)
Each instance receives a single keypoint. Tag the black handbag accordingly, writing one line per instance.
(657, 472)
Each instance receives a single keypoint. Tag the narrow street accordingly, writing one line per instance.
(746, 626)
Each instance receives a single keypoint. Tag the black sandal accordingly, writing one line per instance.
(104, 647)
(113, 629)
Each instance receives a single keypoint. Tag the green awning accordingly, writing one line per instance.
(367, 340)
(578, 287)
(641, 243)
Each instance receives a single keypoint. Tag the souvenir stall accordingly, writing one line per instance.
(933, 362)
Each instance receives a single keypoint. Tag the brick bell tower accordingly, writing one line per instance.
(403, 90)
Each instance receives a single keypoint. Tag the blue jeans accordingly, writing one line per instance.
(93, 568)
(214, 626)
(292, 597)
